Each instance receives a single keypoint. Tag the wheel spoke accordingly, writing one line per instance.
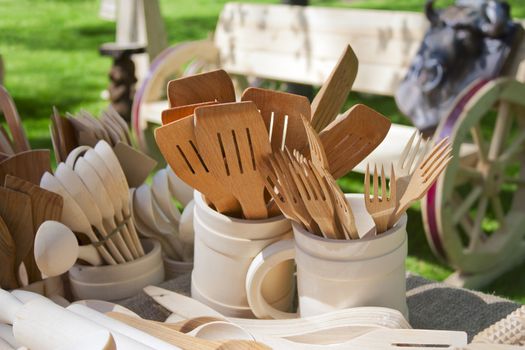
(514, 181)
(466, 204)
(497, 206)
(476, 231)
(467, 173)
(480, 143)
(515, 148)
(501, 130)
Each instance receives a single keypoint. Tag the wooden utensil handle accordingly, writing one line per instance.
(12, 118)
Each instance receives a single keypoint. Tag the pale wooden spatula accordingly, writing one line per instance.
(9, 270)
(177, 144)
(281, 113)
(231, 137)
(205, 87)
(175, 113)
(349, 139)
(332, 95)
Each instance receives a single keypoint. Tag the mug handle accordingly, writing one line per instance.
(266, 260)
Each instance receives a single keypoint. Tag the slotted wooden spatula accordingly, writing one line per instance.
(281, 113)
(349, 139)
(332, 95)
(177, 144)
(210, 86)
(231, 137)
(175, 113)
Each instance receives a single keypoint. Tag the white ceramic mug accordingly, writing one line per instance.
(224, 249)
(117, 282)
(337, 274)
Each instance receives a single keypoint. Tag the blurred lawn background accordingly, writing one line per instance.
(50, 52)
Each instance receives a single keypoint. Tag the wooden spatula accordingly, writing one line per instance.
(177, 144)
(15, 209)
(28, 165)
(282, 114)
(349, 139)
(332, 95)
(45, 205)
(210, 86)
(175, 113)
(231, 137)
(9, 270)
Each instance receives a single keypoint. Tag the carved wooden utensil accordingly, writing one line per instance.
(231, 137)
(380, 207)
(282, 114)
(45, 205)
(15, 209)
(178, 145)
(332, 95)
(28, 165)
(349, 139)
(9, 270)
(407, 163)
(175, 113)
(210, 86)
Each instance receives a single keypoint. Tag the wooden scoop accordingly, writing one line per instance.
(178, 145)
(231, 137)
(332, 95)
(210, 86)
(175, 113)
(349, 139)
(9, 270)
(281, 113)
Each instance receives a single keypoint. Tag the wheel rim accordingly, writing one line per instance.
(473, 212)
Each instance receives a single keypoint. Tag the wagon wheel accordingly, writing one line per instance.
(474, 214)
(174, 62)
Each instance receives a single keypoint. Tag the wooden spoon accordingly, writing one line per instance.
(76, 188)
(15, 209)
(73, 216)
(231, 137)
(9, 270)
(45, 205)
(105, 152)
(205, 87)
(109, 183)
(332, 95)
(282, 114)
(162, 196)
(175, 113)
(361, 130)
(178, 145)
(28, 165)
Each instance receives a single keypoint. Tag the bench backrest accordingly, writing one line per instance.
(302, 44)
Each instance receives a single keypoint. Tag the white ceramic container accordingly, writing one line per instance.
(117, 282)
(225, 248)
(337, 274)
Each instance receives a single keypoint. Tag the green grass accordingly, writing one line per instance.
(50, 51)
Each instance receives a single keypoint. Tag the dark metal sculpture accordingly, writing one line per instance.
(465, 42)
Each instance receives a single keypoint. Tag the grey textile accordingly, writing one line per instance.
(431, 305)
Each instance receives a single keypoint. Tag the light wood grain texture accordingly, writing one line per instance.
(27, 165)
(281, 113)
(231, 137)
(45, 205)
(135, 164)
(182, 340)
(178, 145)
(175, 113)
(9, 270)
(205, 87)
(329, 100)
(381, 207)
(15, 209)
(361, 130)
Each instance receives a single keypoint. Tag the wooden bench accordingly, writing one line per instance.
(302, 45)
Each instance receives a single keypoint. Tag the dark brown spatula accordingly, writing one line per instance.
(45, 205)
(231, 137)
(351, 138)
(281, 113)
(177, 144)
(210, 86)
(9, 271)
(28, 165)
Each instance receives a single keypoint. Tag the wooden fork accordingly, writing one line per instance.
(380, 208)
(407, 163)
(423, 177)
(315, 194)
